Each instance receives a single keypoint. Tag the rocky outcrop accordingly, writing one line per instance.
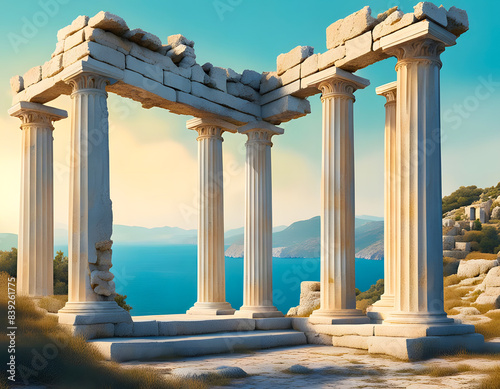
(101, 279)
(475, 267)
(374, 251)
(309, 299)
(490, 288)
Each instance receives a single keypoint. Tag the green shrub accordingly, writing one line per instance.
(373, 294)
(477, 226)
(463, 196)
(8, 262)
(120, 300)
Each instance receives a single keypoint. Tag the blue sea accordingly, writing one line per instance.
(162, 279)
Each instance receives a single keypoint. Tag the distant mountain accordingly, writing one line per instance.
(302, 239)
(374, 251)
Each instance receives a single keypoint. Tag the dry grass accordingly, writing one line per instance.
(446, 371)
(492, 328)
(478, 255)
(53, 304)
(452, 280)
(453, 298)
(65, 361)
(492, 381)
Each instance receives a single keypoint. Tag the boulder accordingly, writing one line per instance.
(299, 369)
(458, 21)
(468, 311)
(475, 267)
(495, 214)
(350, 27)
(109, 22)
(178, 39)
(231, 372)
(251, 78)
(448, 242)
(309, 299)
(448, 223)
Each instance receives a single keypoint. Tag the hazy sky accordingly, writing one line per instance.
(153, 156)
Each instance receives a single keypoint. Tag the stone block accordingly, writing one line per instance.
(280, 92)
(328, 59)
(177, 82)
(457, 254)
(59, 48)
(448, 223)
(124, 329)
(16, 84)
(77, 24)
(52, 67)
(32, 76)
(285, 109)
(92, 331)
(96, 51)
(351, 341)
(232, 75)
(152, 57)
(198, 74)
(181, 51)
(107, 39)
(464, 246)
(187, 62)
(384, 15)
(359, 53)
(394, 22)
(218, 78)
(493, 278)
(206, 67)
(223, 98)
(195, 327)
(273, 323)
(309, 66)
(448, 242)
(428, 10)
(143, 38)
(243, 91)
(153, 72)
(290, 75)
(345, 329)
(145, 328)
(293, 58)
(109, 22)
(350, 27)
(74, 39)
(251, 78)
(178, 39)
(319, 339)
(474, 267)
(269, 81)
(458, 21)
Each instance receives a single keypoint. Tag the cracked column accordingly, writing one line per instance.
(338, 298)
(211, 260)
(258, 252)
(418, 243)
(35, 257)
(91, 288)
(381, 308)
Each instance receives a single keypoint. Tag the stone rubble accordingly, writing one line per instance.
(427, 10)
(293, 58)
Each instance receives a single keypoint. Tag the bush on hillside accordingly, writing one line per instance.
(487, 240)
(463, 196)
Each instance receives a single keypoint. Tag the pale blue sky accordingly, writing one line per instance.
(250, 34)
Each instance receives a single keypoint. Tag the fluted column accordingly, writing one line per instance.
(35, 256)
(211, 260)
(91, 288)
(258, 251)
(418, 248)
(380, 309)
(338, 299)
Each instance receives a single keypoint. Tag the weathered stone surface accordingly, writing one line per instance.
(475, 267)
(109, 22)
(107, 39)
(231, 372)
(16, 84)
(251, 78)
(198, 74)
(59, 48)
(290, 75)
(96, 51)
(309, 299)
(123, 329)
(143, 38)
(495, 213)
(490, 288)
(74, 39)
(177, 82)
(153, 72)
(290, 89)
(178, 39)
(350, 27)
(458, 21)
(464, 246)
(145, 328)
(299, 369)
(243, 91)
(448, 242)
(269, 82)
(218, 78)
(179, 52)
(187, 62)
(384, 15)
(359, 53)
(152, 57)
(32, 76)
(309, 66)
(328, 59)
(428, 10)
(232, 75)
(448, 223)
(285, 109)
(206, 67)
(293, 58)
(52, 67)
(394, 22)
(77, 24)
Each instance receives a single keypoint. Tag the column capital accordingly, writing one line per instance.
(389, 91)
(210, 127)
(335, 82)
(84, 81)
(260, 132)
(35, 113)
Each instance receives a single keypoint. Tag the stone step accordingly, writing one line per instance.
(146, 348)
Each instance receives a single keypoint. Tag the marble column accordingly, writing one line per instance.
(381, 308)
(258, 251)
(90, 283)
(418, 243)
(211, 260)
(35, 256)
(338, 298)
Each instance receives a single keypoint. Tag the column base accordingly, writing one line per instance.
(258, 312)
(211, 309)
(340, 316)
(93, 312)
(418, 318)
(381, 310)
